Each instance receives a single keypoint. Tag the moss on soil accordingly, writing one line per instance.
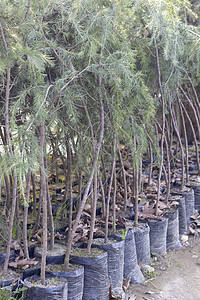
(59, 249)
(83, 252)
(61, 268)
(49, 282)
(101, 241)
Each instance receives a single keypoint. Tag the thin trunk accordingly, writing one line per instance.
(34, 193)
(151, 164)
(108, 198)
(194, 91)
(179, 139)
(114, 199)
(194, 135)
(39, 213)
(7, 130)
(80, 184)
(80, 209)
(2, 137)
(186, 143)
(6, 179)
(57, 175)
(194, 102)
(85, 195)
(8, 200)
(194, 111)
(14, 193)
(16, 220)
(124, 179)
(102, 198)
(165, 174)
(40, 203)
(105, 176)
(64, 201)
(167, 177)
(171, 134)
(49, 206)
(66, 193)
(12, 215)
(44, 203)
(69, 159)
(140, 176)
(26, 205)
(93, 213)
(136, 195)
(94, 194)
(168, 153)
(163, 127)
(169, 172)
(50, 217)
(168, 138)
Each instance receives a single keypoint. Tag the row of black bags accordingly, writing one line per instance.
(118, 259)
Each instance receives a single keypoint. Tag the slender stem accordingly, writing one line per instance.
(114, 200)
(167, 178)
(193, 109)
(3, 38)
(136, 171)
(93, 213)
(80, 181)
(109, 194)
(140, 175)
(34, 193)
(163, 127)
(26, 204)
(85, 195)
(124, 178)
(179, 139)
(12, 215)
(186, 142)
(194, 135)
(44, 203)
(103, 198)
(151, 164)
(69, 159)
(14, 193)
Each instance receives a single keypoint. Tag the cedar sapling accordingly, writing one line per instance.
(172, 114)
(25, 218)
(185, 142)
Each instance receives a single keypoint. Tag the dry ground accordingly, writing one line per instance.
(177, 275)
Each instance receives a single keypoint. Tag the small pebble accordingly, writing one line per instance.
(147, 268)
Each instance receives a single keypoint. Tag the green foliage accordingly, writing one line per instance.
(124, 233)
(58, 50)
(6, 293)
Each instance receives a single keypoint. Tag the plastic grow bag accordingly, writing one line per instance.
(96, 283)
(115, 250)
(30, 272)
(173, 229)
(52, 259)
(182, 216)
(3, 256)
(131, 268)
(189, 204)
(31, 251)
(142, 243)
(75, 281)
(4, 283)
(158, 236)
(196, 197)
(34, 292)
